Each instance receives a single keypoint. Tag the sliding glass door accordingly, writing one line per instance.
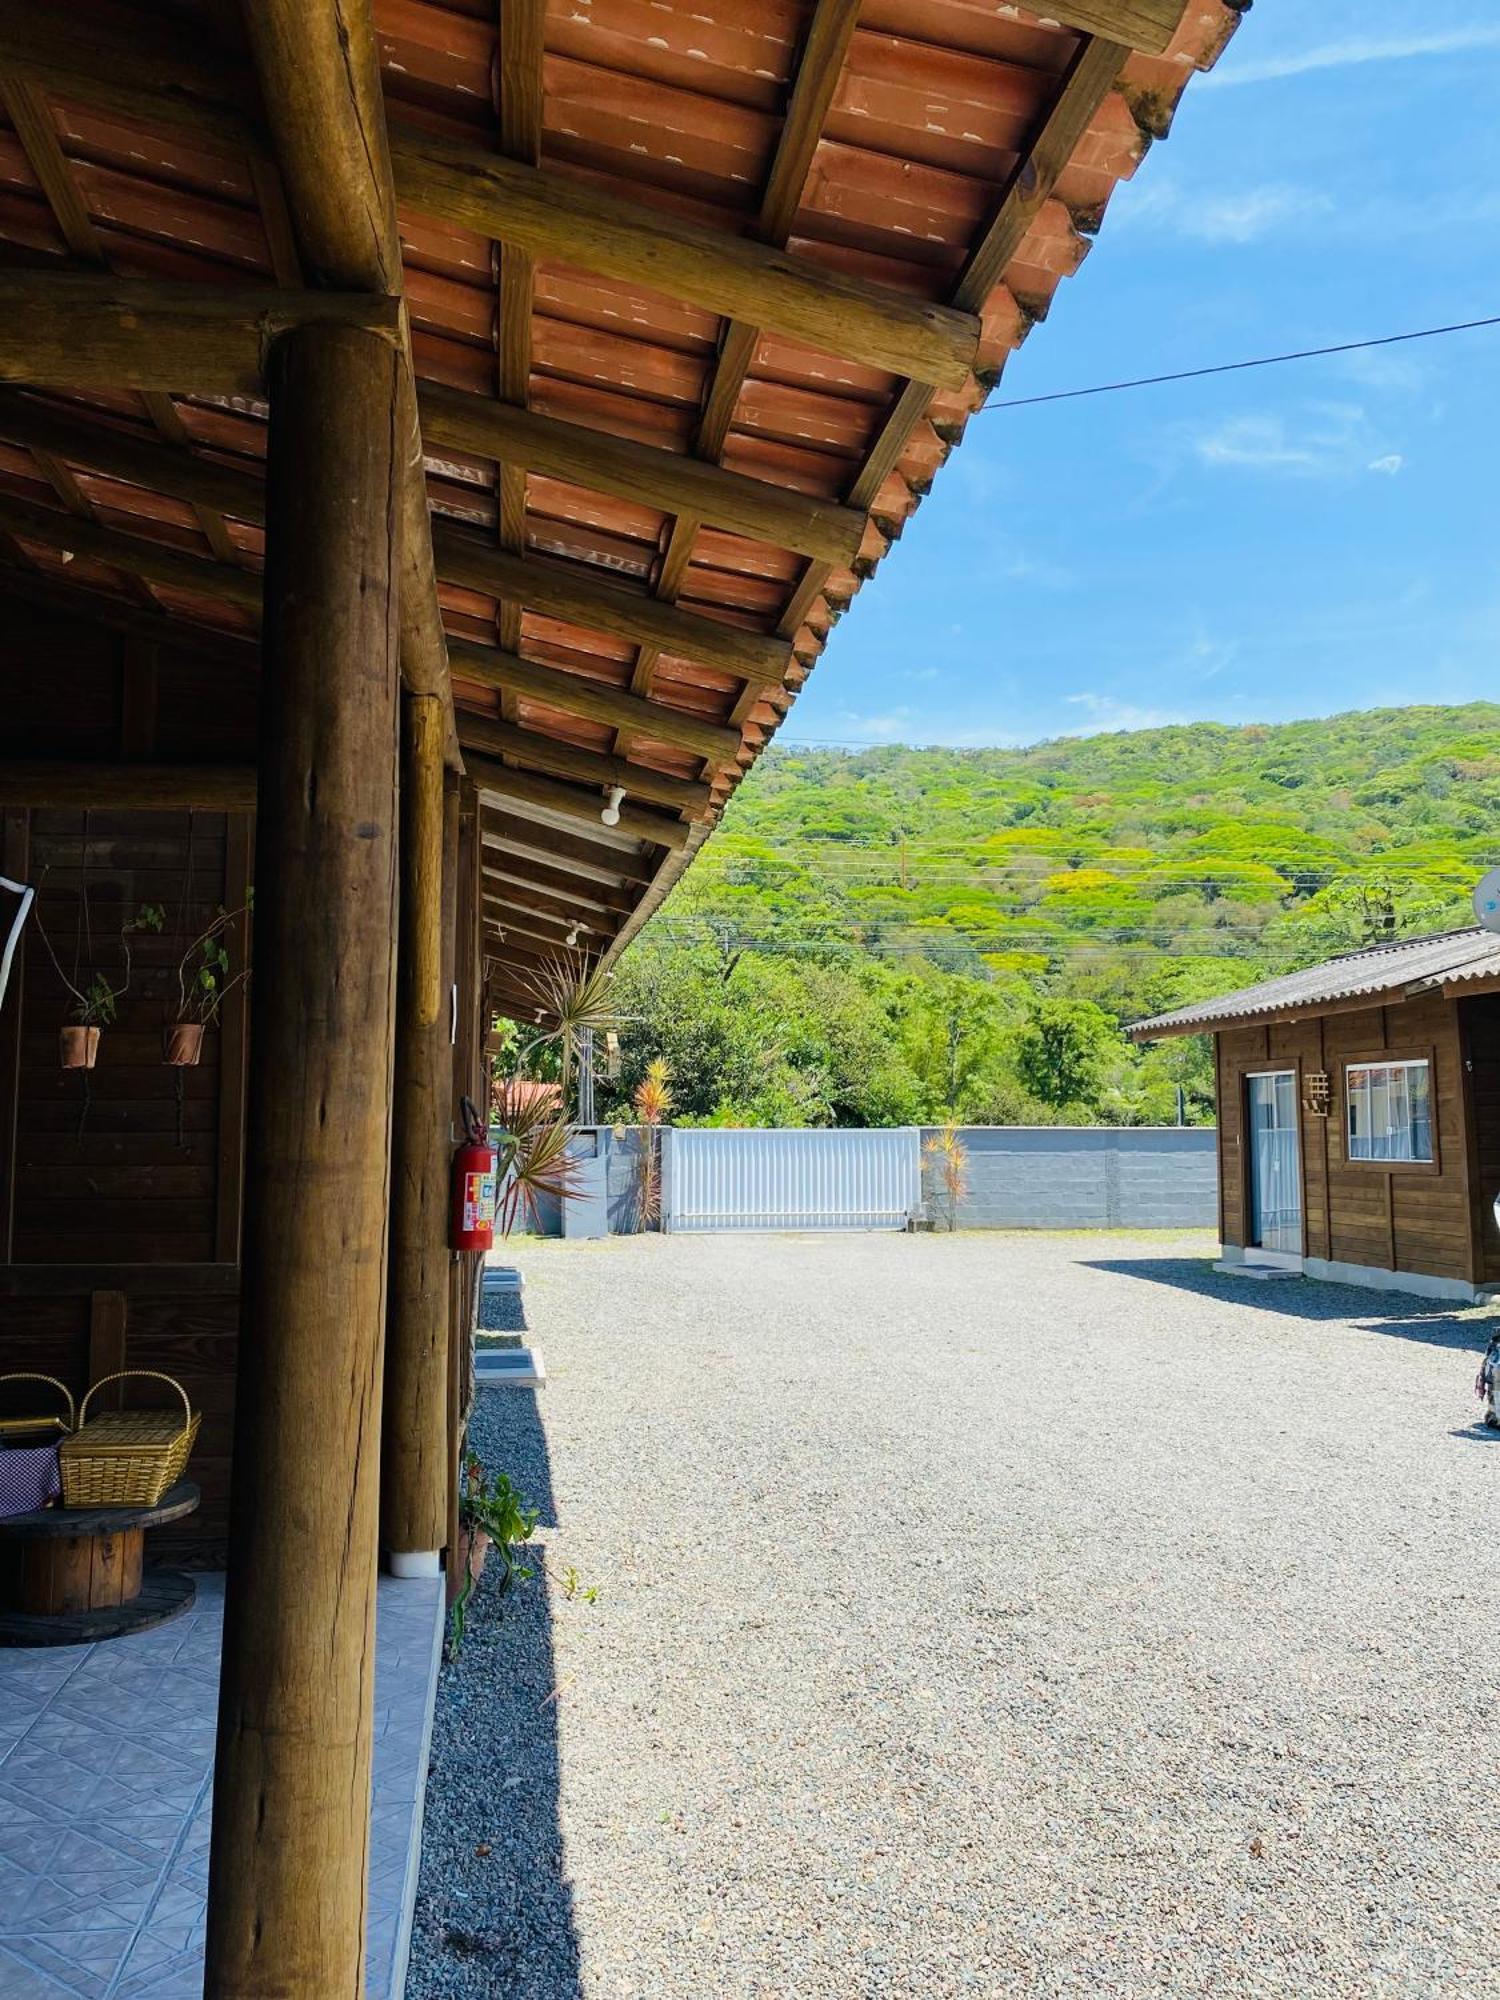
(1275, 1166)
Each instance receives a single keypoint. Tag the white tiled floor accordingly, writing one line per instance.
(106, 1756)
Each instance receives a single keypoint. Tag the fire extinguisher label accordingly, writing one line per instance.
(479, 1201)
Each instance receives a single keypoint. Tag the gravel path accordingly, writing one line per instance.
(984, 1615)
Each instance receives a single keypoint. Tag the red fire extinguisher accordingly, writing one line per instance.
(473, 1220)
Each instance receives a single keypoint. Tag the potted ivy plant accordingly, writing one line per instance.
(204, 982)
(96, 1004)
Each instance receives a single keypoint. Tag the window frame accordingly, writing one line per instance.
(1400, 1058)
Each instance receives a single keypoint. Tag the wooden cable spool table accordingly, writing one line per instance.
(71, 1575)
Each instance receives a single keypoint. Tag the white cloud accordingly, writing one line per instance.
(1347, 54)
(1022, 568)
(1240, 215)
(1322, 441)
(887, 728)
(1105, 713)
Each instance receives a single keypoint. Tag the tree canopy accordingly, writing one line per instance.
(900, 935)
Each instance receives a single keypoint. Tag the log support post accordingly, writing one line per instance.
(286, 1902)
(414, 1435)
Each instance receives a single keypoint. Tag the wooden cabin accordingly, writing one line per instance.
(437, 443)
(1359, 1117)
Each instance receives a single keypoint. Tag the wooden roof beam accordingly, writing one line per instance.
(563, 916)
(1148, 25)
(136, 555)
(463, 422)
(588, 767)
(516, 790)
(594, 860)
(151, 787)
(514, 925)
(537, 877)
(457, 421)
(554, 215)
(572, 694)
(120, 614)
(75, 330)
(571, 592)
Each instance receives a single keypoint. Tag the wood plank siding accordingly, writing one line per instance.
(1371, 1213)
(115, 1190)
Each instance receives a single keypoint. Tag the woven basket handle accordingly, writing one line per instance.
(63, 1390)
(134, 1375)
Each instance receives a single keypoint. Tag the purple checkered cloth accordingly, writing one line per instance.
(29, 1478)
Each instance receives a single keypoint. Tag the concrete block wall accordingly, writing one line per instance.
(1082, 1177)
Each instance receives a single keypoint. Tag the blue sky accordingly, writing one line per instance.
(1258, 547)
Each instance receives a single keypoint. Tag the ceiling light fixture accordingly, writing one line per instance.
(614, 798)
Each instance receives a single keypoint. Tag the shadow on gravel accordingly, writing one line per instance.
(494, 1914)
(1438, 1322)
(502, 1308)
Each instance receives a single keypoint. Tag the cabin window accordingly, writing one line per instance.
(1390, 1110)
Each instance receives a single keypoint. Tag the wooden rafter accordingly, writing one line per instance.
(519, 790)
(134, 554)
(25, 101)
(827, 44)
(573, 694)
(570, 592)
(537, 878)
(72, 330)
(554, 215)
(462, 558)
(589, 767)
(463, 422)
(153, 787)
(607, 464)
(1148, 25)
(597, 860)
(533, 909)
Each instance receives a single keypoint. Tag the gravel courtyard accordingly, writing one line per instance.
(982, 1614)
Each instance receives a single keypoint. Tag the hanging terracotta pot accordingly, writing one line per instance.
(79, 1047)
(182, 1044)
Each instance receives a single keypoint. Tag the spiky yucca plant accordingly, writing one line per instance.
(572, 995)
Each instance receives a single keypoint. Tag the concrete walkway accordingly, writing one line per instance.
(977, 1615)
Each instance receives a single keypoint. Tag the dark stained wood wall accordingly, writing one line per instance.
(1479, 1022)
(119, 1219)
(1360, 1212)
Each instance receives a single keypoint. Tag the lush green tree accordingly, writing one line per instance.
(1063, 1050)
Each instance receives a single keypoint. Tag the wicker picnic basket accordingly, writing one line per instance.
(127, 1458)
(43, 1426)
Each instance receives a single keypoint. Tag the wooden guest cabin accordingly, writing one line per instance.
(1359, 1117)
(436, 442)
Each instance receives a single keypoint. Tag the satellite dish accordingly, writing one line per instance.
(1487, 901)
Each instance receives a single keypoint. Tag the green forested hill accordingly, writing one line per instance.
(901, 933)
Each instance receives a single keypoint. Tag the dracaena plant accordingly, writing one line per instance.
(532, 1157)
(572, 997)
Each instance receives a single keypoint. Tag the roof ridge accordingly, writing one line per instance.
(1398, 944)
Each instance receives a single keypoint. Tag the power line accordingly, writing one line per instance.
(1235, 367)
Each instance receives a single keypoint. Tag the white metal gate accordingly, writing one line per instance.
(729, 1179)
